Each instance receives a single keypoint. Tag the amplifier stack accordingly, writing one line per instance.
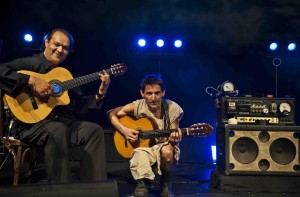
(263, 139)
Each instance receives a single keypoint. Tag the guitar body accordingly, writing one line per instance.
(148, 130)
(125, 147)
(21, 105)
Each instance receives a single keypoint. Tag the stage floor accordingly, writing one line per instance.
(189, 179)
(193, 189)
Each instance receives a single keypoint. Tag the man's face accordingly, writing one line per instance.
(153, 96)
(57, 48)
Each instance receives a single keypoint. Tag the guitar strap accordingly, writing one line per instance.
(165, 107)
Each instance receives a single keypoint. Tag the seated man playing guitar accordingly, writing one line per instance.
(60, 129)
(162, 152)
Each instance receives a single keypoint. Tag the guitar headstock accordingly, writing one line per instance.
(118, 69)
(200, 129)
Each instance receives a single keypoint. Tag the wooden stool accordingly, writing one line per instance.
(18, 151)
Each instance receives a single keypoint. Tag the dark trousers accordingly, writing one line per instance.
(85, 139)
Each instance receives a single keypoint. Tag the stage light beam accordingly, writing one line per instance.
(273, 46)
(160, 43)
(291, 46)
(142, 42)
(178, 43)
(28, 38)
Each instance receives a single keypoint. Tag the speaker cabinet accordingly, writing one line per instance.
(258, 149)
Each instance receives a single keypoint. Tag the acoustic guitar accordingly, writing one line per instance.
(149, 129)
(29, 108)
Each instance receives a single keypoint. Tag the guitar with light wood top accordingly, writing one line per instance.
(148, 129)
(28, 108)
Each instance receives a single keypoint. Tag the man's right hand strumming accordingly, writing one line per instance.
(40, 87)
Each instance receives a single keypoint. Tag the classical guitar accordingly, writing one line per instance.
(149, 129)
(28, 108)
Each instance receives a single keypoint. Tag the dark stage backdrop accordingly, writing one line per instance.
(223, 40)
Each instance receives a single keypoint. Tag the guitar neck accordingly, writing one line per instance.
(161, 133)
(72, 83)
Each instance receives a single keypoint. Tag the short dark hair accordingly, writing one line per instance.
(151, 80)
(49, 35)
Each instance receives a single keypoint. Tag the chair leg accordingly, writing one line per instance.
(32, 162)
(17, 164)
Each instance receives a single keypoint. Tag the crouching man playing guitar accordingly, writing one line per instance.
(160, 152)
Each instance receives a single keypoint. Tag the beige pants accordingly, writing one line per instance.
(142, 160)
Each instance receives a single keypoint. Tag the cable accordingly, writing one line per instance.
(210, 87)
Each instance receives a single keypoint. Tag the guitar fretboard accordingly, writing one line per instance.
(166, 133)
(72, 83)
(160, 133)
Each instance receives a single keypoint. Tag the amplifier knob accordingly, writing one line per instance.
(265, 110)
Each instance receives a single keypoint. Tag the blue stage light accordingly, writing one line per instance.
(178, 43)
(214, 153)
(142, 42)
(160, 43)
(291, 46)
(273, 46)
(28, 38)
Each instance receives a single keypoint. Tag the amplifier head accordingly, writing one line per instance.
(249, 110)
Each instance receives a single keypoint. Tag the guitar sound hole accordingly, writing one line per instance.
(57, 88)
